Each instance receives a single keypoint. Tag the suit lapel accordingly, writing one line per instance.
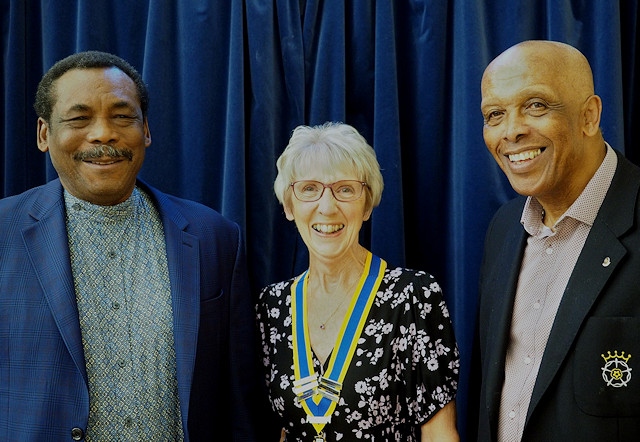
(48, 249)
(600, 256)
(587, 280)
(183, 259)
(502, 289)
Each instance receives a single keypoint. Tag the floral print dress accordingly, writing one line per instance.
(404, 370)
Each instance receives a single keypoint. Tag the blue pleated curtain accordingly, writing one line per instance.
(230, 79)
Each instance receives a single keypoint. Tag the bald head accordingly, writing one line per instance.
(560, 64)
(542, 121)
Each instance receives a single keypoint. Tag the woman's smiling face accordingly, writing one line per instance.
(329, 228)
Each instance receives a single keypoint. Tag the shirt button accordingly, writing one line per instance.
(527, 360)
(121, 363)
(111, 254)
(115, 305)
(77, 433)
(549, 251)
(536, 305)
(128, 422)
(77, 206)
(512, 414)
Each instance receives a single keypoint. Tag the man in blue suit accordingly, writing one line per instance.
(125, 313)
(559, 318)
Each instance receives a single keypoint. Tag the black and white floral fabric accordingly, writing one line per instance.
(405, 367)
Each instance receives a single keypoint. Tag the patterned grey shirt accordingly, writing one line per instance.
(119, 264)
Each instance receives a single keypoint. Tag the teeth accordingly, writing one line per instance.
(522, 156)
(324, 228)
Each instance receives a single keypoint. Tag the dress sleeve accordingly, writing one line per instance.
(435, 351)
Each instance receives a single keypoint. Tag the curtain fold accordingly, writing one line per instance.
(230, 79)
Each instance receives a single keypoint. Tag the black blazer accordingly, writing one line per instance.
(586, 389)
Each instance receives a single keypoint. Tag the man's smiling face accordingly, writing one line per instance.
(96, 135)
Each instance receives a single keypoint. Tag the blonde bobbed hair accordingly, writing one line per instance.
(330, 146)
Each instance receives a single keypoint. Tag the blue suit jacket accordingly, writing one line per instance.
(43, 381)
(576, 396)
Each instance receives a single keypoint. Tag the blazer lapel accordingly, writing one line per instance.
(48, 249)
(502, 289)
(183, 259)
(600, 256)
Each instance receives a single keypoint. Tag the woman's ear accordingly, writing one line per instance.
(367, 214)
(287, 211)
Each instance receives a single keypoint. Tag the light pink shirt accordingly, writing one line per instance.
(549, 259)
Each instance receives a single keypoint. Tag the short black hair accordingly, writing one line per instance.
(85, 60)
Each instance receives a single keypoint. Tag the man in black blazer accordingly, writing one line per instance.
(559, 309)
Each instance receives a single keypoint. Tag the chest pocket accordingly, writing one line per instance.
(607, 369)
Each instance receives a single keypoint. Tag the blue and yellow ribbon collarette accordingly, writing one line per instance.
(319, 395)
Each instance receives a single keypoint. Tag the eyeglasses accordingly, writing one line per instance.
(345, 190)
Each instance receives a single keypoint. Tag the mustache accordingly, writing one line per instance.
(103, 150)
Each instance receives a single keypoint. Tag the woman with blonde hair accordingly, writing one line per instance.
(352, 348)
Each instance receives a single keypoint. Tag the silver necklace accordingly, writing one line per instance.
(323, 325)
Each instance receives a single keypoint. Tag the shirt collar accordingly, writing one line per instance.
(585, 208)
(77, 208)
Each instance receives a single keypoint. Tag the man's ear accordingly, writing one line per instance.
(147, 133)
(592, 111)
(43, 135)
